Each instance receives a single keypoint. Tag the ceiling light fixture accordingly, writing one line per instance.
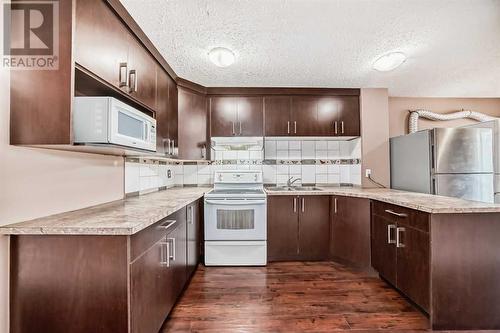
(221, 56)
(389, 61)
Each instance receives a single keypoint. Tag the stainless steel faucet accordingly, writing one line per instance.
(290, 182)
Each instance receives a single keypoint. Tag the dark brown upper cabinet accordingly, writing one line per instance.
(277, 115)
(193, 122)
(142, 74)
(105, 47)
(102, 42)
(348, 120)
(305, 115)
(236, 116)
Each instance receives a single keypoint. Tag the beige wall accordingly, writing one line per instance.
(399, 106)
(375, 136)
(40, 182)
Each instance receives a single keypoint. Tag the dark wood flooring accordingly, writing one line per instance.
(291, 297)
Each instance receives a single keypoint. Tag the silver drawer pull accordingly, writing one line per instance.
(390, 227)
(165, 258)
(167, 224)
(398, 237)
(123, 75)
(397, 214)
(172, 255)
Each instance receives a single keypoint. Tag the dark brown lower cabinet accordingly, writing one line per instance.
(350, 230)
(102, 283)
(297, 227)
(400, 251)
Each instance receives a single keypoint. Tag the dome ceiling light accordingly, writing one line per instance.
(389, 61)
(221, 57)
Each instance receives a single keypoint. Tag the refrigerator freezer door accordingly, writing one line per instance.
(476, 187)
(410, 162)
(463, 150)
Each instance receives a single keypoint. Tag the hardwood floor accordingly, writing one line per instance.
(291, 297)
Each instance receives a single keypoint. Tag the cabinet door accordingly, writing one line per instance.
(151, 296)
(223, 116)
(141, 74)
(162, 105)
(413, 265)
(193, 237)
(277, 115)
(327, 116)
(250, 116)
(173, 118)
(282, 228)
(193, 121)
(101, 41)
(348, 118)
(304, 116)
(383, 236)
(177, 240)
(314, 227)
(350, 230)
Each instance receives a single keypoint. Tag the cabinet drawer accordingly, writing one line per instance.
(402, 215)
(143, 240)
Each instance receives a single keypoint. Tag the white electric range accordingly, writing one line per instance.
(236, 220)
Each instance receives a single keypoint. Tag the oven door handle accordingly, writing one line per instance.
(235, 202)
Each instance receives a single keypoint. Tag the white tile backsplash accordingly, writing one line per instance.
(281, 145)
(308, 174)
(294, 154)
(308, 150)
(321, 145)
(270, 149)
(282, 154)
(294, 145)
(256, 155)
(345, 174)
(190, 175)
(243, 155)
(132, 176)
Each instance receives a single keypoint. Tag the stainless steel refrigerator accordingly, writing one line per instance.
(455, 162)
(494, 125)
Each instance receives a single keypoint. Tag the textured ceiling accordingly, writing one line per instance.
(453, 46)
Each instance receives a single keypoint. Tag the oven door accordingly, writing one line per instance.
(235, 219)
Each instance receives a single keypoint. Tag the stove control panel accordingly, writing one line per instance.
(238, 177)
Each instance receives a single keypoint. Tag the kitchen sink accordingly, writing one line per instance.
(294, 188)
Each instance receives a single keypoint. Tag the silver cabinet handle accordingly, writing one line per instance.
(336, 127)
(173, 147)
(295, 127)
(232, 124)
(342, 126)
(132, 83)
(240, 127)
(396, 214)
(172, 241)
(390, 227)
(167, 224)
(398, 237)
(294, 205)
(303, 205)
(190, 215)
(165, 258)
(335, 205)
(288, 127)
(168, 146)
(122, 77)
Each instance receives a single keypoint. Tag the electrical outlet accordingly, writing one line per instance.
(368, 173)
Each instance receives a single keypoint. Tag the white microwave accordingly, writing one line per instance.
(106, 120)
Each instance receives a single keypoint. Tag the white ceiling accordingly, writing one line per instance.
(453, 46)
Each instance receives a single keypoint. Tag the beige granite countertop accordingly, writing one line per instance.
(423, 202)
(122, 217)
(131, 215)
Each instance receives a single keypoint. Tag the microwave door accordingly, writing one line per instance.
(130, 128)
